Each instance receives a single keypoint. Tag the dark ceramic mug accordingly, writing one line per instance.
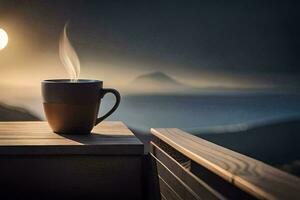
(72, 107)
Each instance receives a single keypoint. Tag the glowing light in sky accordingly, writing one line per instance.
(3, 39)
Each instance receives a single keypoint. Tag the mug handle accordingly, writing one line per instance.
(118, 99)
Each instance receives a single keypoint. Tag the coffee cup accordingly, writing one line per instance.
(71, 107)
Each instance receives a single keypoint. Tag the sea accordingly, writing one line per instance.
(196, 112)
(221, 119)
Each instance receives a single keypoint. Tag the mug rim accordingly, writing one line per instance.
(55, 81)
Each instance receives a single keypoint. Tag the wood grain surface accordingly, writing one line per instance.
(107, 138)
(250, 175)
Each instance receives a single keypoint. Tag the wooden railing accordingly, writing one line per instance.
(189, 167)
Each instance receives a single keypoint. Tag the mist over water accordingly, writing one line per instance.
(194, 112)
(189, 112)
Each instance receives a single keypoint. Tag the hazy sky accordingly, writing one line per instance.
(202, 43)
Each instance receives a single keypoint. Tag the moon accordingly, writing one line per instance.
(3, 39)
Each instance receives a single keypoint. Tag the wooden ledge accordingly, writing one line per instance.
(252, 176)
(36, 138)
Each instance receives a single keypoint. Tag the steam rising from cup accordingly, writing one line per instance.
(68, 56)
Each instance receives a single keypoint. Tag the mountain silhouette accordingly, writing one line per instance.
(162, 83)
(158, 77)
(157, 82)
(12, 113)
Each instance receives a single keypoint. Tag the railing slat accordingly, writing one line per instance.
(250, 175)
(195, 184)
(167, 192)
(163, 197)
(183, 191)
